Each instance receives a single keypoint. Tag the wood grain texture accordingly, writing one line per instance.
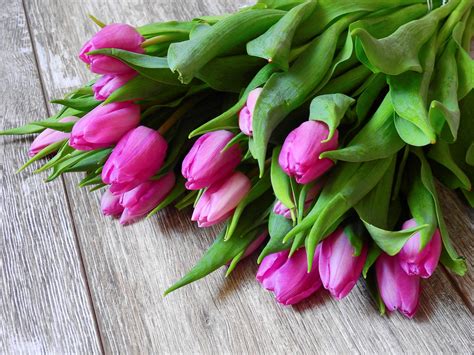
(129, 268)
(44, 304)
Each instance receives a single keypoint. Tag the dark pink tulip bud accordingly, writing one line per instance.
(282, 210)
(299, 156)
(49, 136)
(338, 267)
(398, 290)
(246, 114)
(118, 36)
(206, 163)
(415, 262)
(110, 204)
(288, 278)
(135, 159)
(107, 84)
(145, 197)
(104, 126)
(219, 201)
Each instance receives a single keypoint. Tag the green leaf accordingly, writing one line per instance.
(228, 119)
(464, 61)
(68, 162)
(188, 57)
(91, 162)
(177, 191)
(345, 83)
(398, 52)
(154, 68)
(369, 96)
(355, 237)
(284, 92)
(275, 44)
(57, 126)
(159, 28)
(372, 255)
(330, 109)
(43, 153)
(278, 227)
(83, 103)
(376, 140)
(281, 182)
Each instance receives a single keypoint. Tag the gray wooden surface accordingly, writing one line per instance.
(75, 282)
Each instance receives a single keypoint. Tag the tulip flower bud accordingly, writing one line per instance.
(206, 163)
(135, 159)
(145, 197)
(299, 156)
(415, 262)
(49, 136)
(282, 210)
(118, 36)
(339, 269)
(288, 278)
(107, 84)
(398, 290)
(246, 114)
(110, 204)
(104, 126)
(219, 201)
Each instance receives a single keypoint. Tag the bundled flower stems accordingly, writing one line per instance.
(313, 131)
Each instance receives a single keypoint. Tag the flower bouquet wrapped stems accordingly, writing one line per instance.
(313, 131)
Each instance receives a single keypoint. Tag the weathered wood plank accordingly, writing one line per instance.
(129, 268)
(44, 304)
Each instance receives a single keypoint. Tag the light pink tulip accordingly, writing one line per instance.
(110, 204)
(299, 156)
(104, 126)
(49, 136)
(107, 84)
(206, 163)
(246, 114)
(118, 36)
(282, 210)
(415, 262)
(219, 201)
(338, 267)
(398, 290)
(136, 158)
(288, 278)
(145, 197)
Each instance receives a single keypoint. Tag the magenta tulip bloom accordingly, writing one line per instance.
(107, 84)
(339, 269)
(282, 210)
(206, 163)
(398, 290)
(219, 201)
(49, 136)
(415, 262)
(145, 197)
(104, 126)
(246, 114)
(288, 278)
(299, 156)
(110, 204)
(118, 36)
(135, 159)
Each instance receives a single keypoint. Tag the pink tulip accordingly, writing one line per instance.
(118, 36)
(282, 210)
(299, 156)
(219, 201)
(104, 126)
(145, 197)
(110, 204)
(49, 136)
(107, 84)
(288, 278)
(398, 290)
(338, 267)
(415, 262)
(206, 163)
(246, 114)
(135, 159)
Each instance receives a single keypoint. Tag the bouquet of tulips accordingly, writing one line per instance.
(313, 131)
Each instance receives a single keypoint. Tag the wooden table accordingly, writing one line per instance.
(73, 281)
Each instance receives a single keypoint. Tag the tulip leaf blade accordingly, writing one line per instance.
(330, 109)
(43, 153)
(176, 192)
(57, 126)
(278, 227)
(281, 182)
(83, 103)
